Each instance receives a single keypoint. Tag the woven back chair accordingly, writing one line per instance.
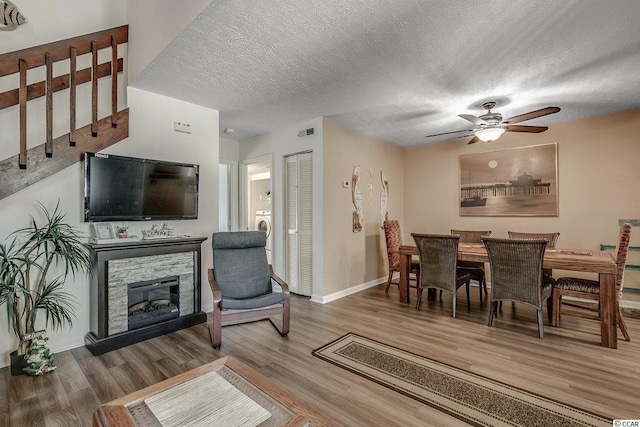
(474, 269)
(551, 237)
(516, 274)
(590, 289)
(438, 262)
(393, 239)
(242, 283)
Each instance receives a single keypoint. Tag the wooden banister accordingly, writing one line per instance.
(34, 56)
(14, 176)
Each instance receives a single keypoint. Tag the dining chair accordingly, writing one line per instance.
(393, 238)
(590, 289)
(475, 269)
(438, 262)
(551, 237)
(516, 275)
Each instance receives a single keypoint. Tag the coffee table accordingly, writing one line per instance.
(284, 407)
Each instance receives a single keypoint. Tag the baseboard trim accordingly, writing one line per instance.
(346, 292)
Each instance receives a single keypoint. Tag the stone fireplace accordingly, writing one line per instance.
(143, 289)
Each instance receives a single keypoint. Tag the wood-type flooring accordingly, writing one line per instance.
(568, 365)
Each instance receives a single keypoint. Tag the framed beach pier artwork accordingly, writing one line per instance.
(514, 182)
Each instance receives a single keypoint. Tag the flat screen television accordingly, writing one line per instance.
(118, 188)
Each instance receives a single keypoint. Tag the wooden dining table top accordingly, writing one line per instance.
(563, 259)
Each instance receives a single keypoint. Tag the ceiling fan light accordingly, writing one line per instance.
(489, 134)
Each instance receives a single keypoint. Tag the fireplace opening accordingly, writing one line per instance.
(153, 301)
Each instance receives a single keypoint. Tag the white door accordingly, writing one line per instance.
(298, 222)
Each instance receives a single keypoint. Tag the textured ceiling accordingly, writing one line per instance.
(401, 69)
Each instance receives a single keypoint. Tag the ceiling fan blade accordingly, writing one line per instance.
(474, 140)
(530, 129)
(473, 119)
(531, 115)
(448, 133)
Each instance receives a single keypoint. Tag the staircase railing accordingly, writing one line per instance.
(33, 164)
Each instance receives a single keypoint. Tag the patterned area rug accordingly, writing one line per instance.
(470, 397)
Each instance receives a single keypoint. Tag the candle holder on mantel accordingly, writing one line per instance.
(158, 233)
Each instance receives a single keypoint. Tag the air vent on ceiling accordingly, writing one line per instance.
(306, 132)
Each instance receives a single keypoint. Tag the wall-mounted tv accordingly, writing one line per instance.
(118, 188)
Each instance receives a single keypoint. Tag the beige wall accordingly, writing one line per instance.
(352, 259)
(598, 175)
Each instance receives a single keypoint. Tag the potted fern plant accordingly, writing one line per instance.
(27, 263)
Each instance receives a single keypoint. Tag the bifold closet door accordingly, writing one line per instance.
(298, 222)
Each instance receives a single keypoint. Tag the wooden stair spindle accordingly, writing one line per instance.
(22, 95)
(114, 81)
(59, 83)
(97, 135)
(73, 53)
(48, 146)
(94, 89)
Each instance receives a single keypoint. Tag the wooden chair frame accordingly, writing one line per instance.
(232, 317)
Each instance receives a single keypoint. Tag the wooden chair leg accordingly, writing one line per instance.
(480, 288)
(492, 311)
(419, 299)
(556, 296)
(386, 290)
(285, 317)
(216, 328)
(455, 301)
(540, 323)
(468, 298)
(549, 309)
(623, 325)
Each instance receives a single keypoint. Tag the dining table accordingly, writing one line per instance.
(600, 262)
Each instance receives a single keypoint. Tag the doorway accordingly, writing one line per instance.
(257, 212)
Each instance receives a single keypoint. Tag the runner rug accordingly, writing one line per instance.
(470, 397)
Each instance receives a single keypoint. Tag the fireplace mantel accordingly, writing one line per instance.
(115, 265)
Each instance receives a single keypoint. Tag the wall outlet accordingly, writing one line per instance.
(346, 184)
(182, 127)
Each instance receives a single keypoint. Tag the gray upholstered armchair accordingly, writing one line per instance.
(242, 283)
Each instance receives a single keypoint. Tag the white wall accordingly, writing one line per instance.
(151, 135)
(280, 143)
(153, 24)
(229, 150)
(49, 22)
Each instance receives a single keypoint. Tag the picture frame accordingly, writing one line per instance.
(103, 231)
(519, 181)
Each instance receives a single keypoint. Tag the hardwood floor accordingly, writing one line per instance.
(568, 365)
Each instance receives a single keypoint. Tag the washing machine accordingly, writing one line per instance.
(263, 223)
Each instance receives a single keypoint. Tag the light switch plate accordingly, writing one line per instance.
(181, 127)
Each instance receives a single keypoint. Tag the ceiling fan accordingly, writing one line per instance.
(490, 126)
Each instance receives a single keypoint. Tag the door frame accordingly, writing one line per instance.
(232, 188)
